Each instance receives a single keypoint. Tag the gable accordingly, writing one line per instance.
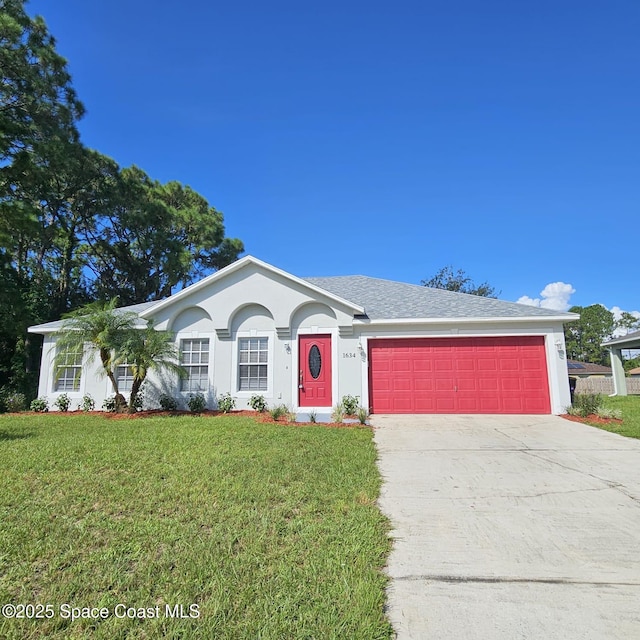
(249, 287)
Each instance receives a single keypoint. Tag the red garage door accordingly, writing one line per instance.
(458, 375)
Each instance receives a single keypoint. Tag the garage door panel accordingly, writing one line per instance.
(511, 384)
(424, 384)
(459, 375)
(402, 384)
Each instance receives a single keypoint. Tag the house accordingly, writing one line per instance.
(252, 328)
(615, 346)
(579, 369)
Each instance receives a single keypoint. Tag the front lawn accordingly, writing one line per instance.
(271, 531)
(630, 407)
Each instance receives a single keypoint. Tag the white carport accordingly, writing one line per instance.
(615, 346)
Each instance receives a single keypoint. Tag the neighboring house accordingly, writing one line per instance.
(579, 369)
(634, 373)
(616, 346)
(251, 328)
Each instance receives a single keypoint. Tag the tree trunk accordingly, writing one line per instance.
(135, 388)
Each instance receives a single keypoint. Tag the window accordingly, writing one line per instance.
(194, 357)
(124, 377)
(253, 364)
(68, 372)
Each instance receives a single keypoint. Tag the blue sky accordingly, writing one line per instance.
(384, 138)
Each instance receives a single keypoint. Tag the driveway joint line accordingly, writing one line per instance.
(507, 580)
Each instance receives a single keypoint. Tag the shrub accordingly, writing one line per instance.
(15, 401)
(110, 404)
(138, 401)
(62, 402)
(363, 415)
(257, 403)
(313, 416)
(167, 402)
(609, 414)
(196, 403)
(41, 405)
(87, 403)
(337, 415)
(587, 403)
(226, 403)
(279, 411)
(350, 404)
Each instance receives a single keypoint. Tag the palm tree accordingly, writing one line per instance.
(100, 327)
(147, 349)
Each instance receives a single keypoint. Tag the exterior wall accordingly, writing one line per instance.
(92, 380)
(251, 303)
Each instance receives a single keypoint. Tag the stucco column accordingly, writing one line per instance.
(619, 381)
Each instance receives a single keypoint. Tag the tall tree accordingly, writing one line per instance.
(38, 114)
(583, 337)
(154, 238)
(627, 322)
(447, 278)
(37, 102)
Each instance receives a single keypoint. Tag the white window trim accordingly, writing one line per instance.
(72, 393)
(195, 335)
(235, 364)
(128, 375)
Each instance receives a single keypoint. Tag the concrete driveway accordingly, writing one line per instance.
(510, 527)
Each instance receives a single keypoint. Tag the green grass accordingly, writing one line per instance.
(630, 407)
(272, 530)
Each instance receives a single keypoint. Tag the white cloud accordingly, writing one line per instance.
(554, 296)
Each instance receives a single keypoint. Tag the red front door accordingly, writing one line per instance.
(314, 371)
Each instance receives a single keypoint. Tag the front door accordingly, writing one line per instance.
(314, 371)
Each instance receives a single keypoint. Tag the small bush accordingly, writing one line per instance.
(609, 414)
(62, 402)
(226, 402)
(279, 411)
(197, 403)
(87, 403)
(41, 405)
(350, 404)
(167, 402)
(138, 403)
(15, 401)
(362, 415)
(257, 403)
(313, 416)
(337, 415)
(109, 404)
(587, 403)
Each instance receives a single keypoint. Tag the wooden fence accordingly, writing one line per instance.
(605, 385)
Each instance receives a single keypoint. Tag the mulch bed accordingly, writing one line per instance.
(591, 419)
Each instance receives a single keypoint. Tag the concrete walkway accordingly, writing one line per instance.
(510, 527)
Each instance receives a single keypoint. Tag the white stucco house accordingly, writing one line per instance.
(252, 328)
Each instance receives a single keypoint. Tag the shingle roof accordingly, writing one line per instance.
(630, 341)
(578, 368)
(386, 299)
(49, 327)
(390, 300)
